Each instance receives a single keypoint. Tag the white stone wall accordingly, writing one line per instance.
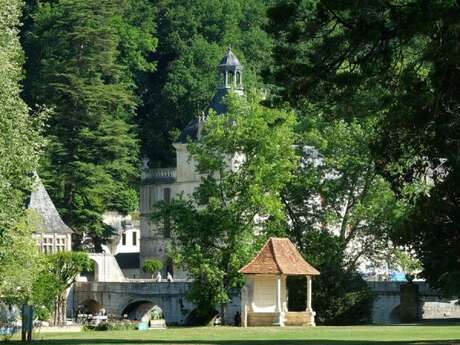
(154, 243)
(129, 247)
(106, 268)
(433, 308)
(264, 294)
(118, 222)
(186, 167)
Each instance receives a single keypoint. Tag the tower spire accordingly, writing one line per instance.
(230, 72)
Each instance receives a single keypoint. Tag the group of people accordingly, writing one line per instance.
(169, 277)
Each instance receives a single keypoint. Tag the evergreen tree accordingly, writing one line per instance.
(20, 145)
(83, 58)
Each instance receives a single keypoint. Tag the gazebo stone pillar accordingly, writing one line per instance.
(279, 310)
(309, 310)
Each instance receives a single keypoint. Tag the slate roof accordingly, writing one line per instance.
(217, 104)
(229, 59)
(190, 132)
(51, 221)
(279, 256)
(128, 260)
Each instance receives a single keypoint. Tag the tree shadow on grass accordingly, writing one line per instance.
(235, 342)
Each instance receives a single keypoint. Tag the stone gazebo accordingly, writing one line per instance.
(264, 296)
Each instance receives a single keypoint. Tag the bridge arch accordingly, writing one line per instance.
(139, 309)
(90, 306)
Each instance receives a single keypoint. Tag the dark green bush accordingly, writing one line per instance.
(339, 296)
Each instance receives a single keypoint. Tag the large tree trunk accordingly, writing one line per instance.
(60, 309)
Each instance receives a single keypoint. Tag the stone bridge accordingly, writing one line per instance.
(391, 302)
(135, 297)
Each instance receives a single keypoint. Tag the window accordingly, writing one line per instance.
(47, 245)
(167, 194)
(60, 244)
(134, 238)
(231, 77)
(166, 220)
(123, 239)
(221, 79)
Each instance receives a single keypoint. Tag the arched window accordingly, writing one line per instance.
(221, 79)
(238, 79)
(231, 78)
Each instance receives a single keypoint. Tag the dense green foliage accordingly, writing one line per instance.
(248, 158)
(397, 62)
(192, 37)
(20, 145)
(338, 190)
(340, 295)
(59, 273)
(374, 85)
(82, 59)
(340, 213)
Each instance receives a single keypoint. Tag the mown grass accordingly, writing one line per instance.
(353, 335)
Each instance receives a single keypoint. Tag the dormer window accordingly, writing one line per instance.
(238, 79)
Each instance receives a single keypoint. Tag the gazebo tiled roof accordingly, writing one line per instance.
(279, 256)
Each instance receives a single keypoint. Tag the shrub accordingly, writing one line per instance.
(152, 265)
(112, 326)
(201, 317)
(340, 296)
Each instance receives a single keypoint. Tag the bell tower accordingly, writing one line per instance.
(230, 73)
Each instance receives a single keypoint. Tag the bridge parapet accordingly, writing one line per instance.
(394, 288)
(139, 288)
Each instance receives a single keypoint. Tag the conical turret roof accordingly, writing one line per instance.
(229, 59)
(228, 63)
(50, 220)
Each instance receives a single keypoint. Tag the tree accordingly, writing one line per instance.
(340, 295)
(247, 157)
(20, 146)
(20, 260)
(397, 61)
(340, 214)
(50, 289)
(192, 38)
(83, 56)
(152, 265)
(338, 189)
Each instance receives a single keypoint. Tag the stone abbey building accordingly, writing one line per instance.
(167, 183)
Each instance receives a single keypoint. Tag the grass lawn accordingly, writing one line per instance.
(353, 335)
